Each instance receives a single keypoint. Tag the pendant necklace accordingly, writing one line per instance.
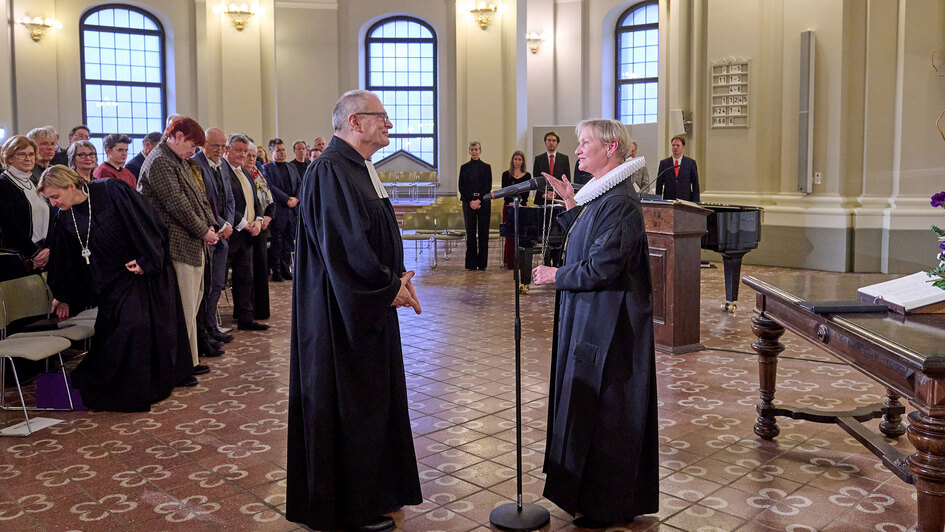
(88, 232)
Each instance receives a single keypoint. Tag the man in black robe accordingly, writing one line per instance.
(350, 450)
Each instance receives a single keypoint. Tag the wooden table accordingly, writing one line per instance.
(906, 354)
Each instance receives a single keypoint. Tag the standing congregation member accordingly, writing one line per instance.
(300, 149)
(220, 197)
(25, 217)
(248, 223)
(601, 452)
(179, 200)
(260, 260)
(475, 181)
(47, 145)
(150, 141)
(116, 152)
(350, 449)
(284, 181)
(108, 233)
(82, 157)
(678, 176)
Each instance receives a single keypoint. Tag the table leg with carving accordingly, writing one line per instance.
(927, 435)
(768, 332)
(892, 425)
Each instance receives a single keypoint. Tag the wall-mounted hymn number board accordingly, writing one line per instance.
(730, 93)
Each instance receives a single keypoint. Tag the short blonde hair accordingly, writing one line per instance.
(59, 176)
(608, 131)
(13, 145)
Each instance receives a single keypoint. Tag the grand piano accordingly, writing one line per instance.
(732, 231)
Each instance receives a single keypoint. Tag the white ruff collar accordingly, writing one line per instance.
(596, 187)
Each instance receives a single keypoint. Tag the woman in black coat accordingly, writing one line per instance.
(601, 456)
(517, 173)
(25, 216)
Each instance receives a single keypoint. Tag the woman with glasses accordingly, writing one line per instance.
(260, 262)
(82, 158)
(25, 216)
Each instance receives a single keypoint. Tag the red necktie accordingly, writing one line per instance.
(676, 166)
(551, 163)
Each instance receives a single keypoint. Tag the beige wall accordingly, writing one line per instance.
(876, 98)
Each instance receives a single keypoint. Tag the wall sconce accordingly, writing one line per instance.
(39, 26)
(239, 14)
(534, 41)
(483, 13)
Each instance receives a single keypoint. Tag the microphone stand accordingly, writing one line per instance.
(518, 516)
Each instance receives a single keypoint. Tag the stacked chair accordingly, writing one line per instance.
(441, 221)
(27, 297)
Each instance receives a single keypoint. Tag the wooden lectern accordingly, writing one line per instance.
(674, 233)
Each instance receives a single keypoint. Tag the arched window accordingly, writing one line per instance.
(400, 67)
(124, 83)
(637, 36)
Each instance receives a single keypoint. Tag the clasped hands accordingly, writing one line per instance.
(406, 296)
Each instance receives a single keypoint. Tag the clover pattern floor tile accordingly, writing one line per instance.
(213, 457)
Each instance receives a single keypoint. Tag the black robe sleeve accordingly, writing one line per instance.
(335, 216)
(148, 232)
(64, 266)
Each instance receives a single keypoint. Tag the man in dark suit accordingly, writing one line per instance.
(150, 141)
(248, 219)
(220, 196)
(284, 180)
(551, 162)
(678, 176)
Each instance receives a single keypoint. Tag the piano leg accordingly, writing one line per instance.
(732, 264)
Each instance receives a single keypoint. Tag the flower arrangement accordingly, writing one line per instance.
(938, 200)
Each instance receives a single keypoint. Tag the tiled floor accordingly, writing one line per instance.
(213, 457)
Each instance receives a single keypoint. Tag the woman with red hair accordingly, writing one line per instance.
(180, 201)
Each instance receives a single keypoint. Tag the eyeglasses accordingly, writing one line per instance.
(24, 155)
(383, 116)
(90, 154)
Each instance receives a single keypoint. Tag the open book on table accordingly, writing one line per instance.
(912, 294)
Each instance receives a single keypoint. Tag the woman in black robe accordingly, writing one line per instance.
(107, 231)
(601, 453)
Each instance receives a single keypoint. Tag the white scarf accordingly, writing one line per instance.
(596, 187)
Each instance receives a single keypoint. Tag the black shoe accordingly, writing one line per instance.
(206, 348)
(216, 344)
(201, 369)
(378, 524)
(252, 326)
(287, 276)
(220, 336)
(586, 522)
(189, 382)
(261, 316)
(277, 279)
(211, 354)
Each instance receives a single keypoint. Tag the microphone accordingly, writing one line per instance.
(514, 190)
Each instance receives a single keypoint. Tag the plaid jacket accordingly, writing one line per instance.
(170, 186)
